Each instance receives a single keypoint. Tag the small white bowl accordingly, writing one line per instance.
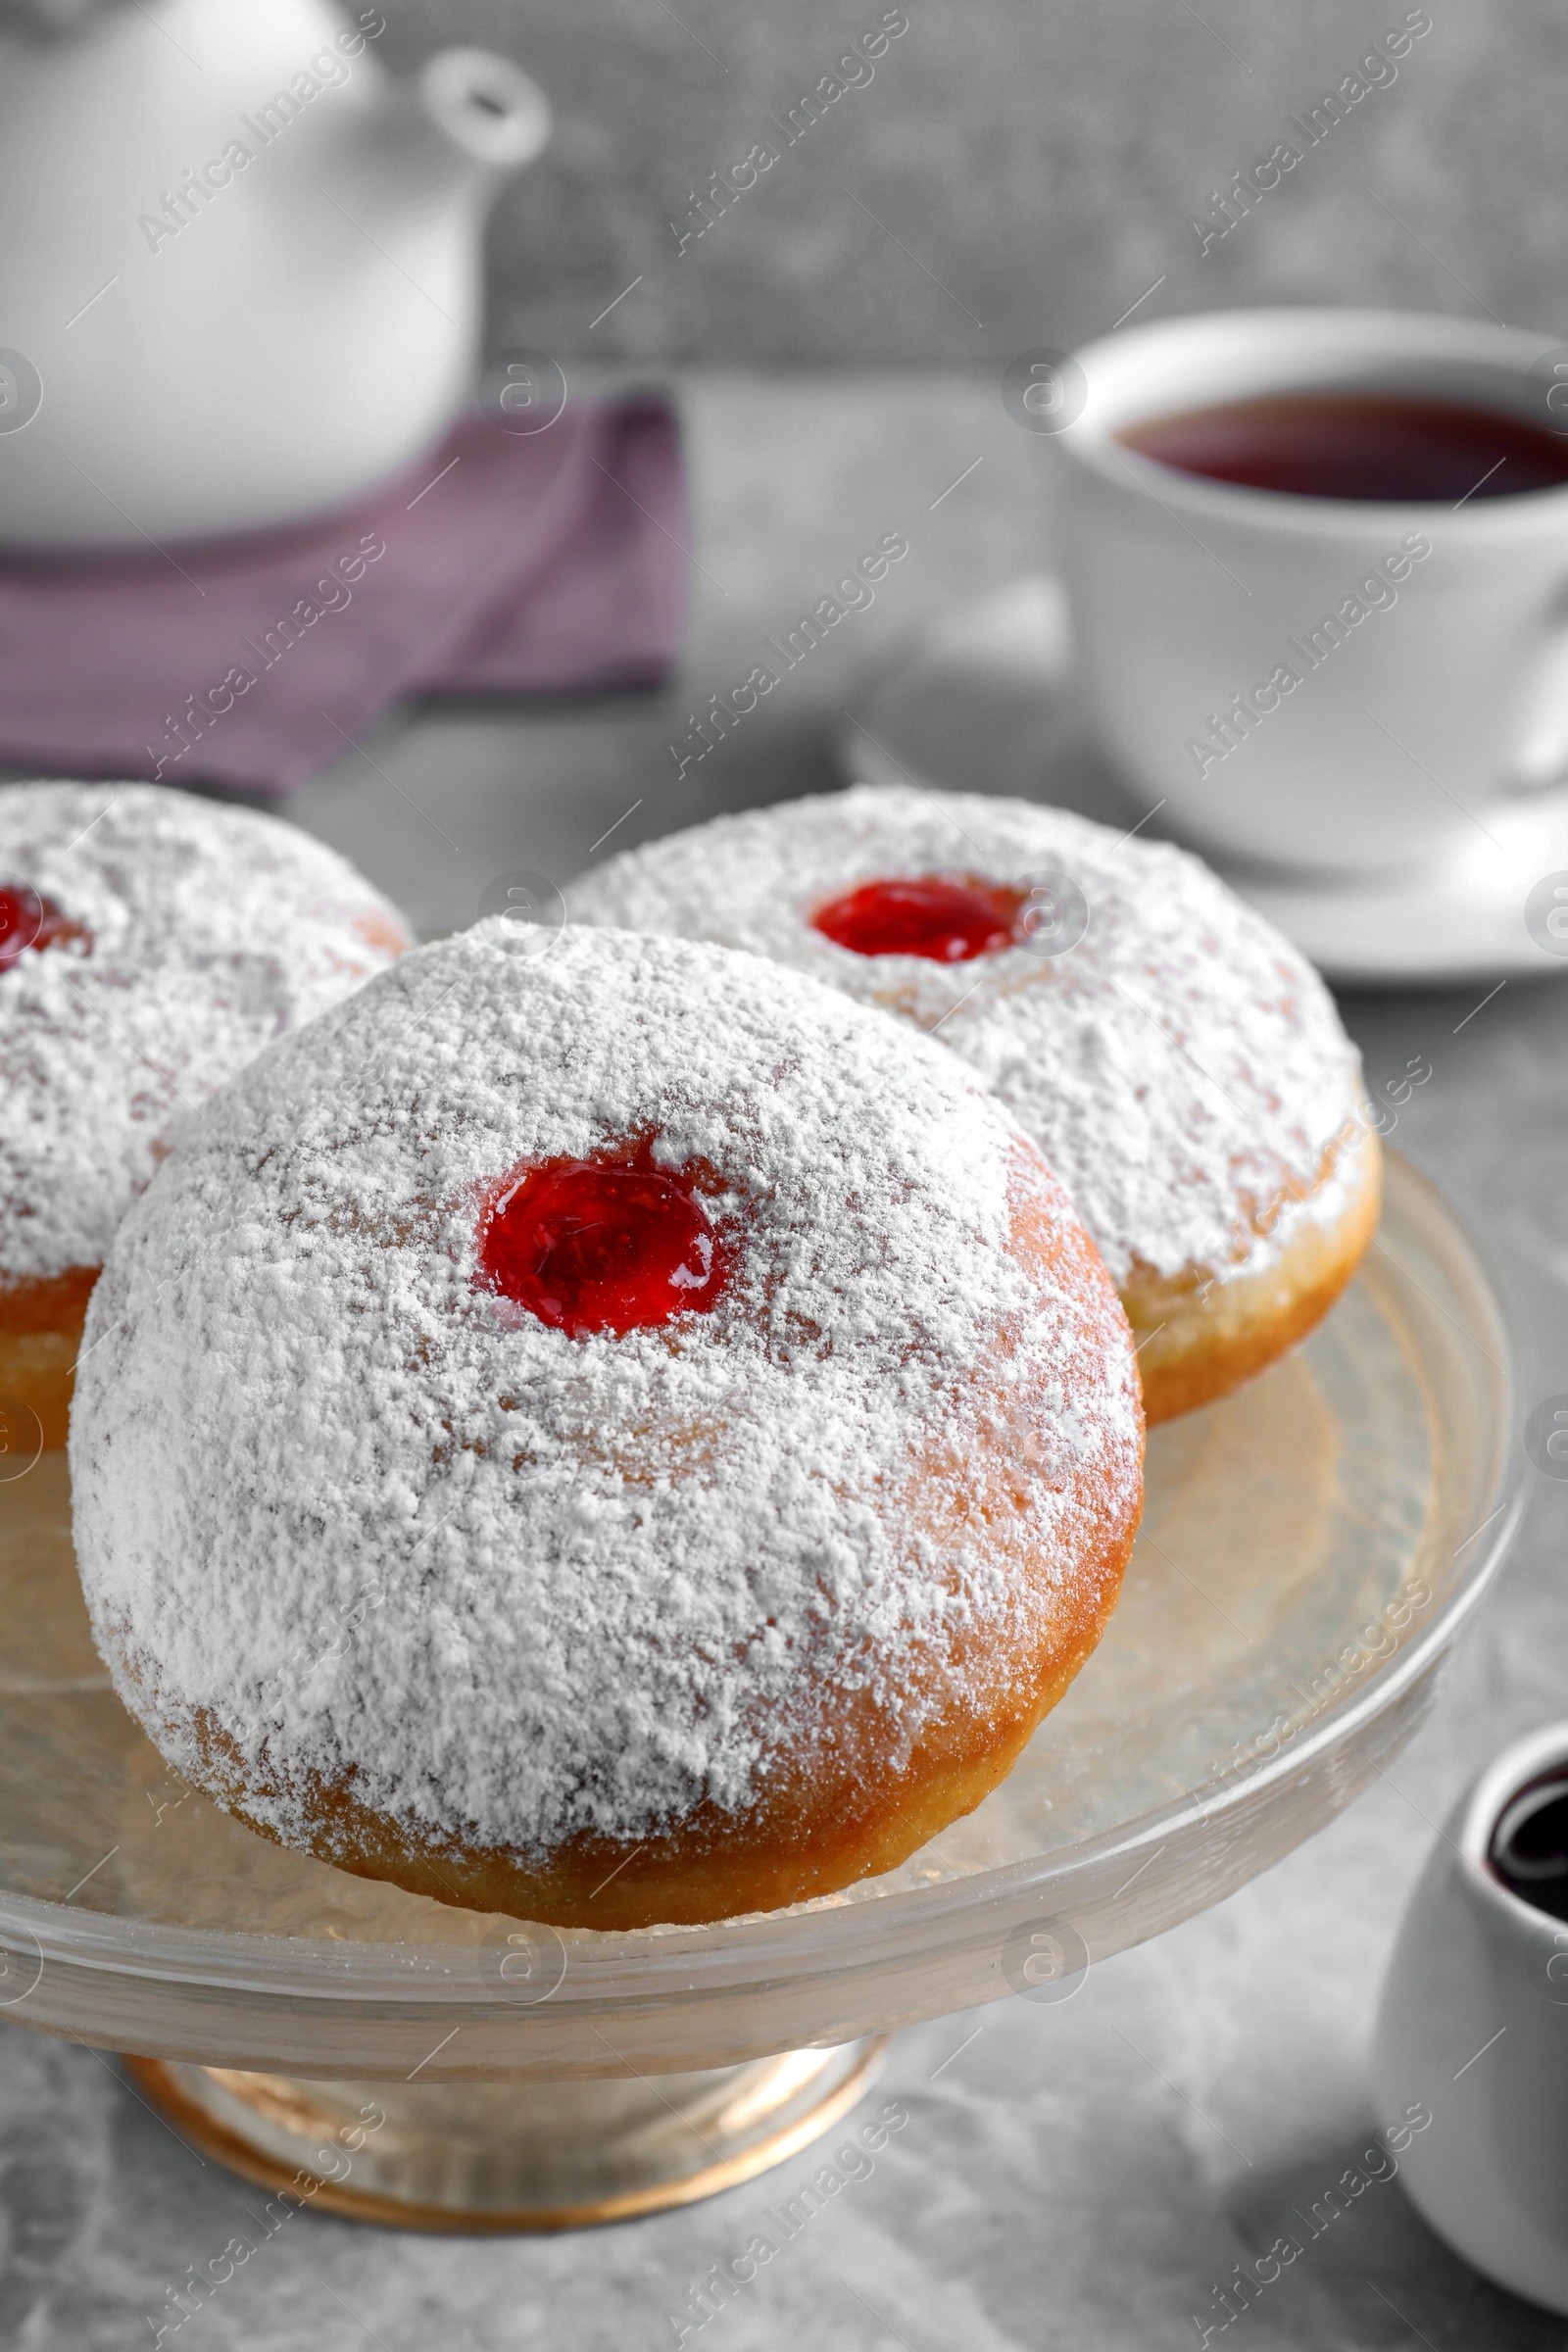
(1473, 2024)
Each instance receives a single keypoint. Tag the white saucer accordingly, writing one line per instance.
(984, 700)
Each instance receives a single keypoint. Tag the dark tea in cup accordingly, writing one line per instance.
(1393, 448)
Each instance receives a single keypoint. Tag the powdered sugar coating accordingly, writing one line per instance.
(356, 1510)
(1182, 1067)
(211, 932)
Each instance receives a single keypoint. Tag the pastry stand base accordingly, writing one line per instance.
(1310, 1548)
(510, 2156)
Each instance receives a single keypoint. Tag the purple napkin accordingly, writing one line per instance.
(546, 562)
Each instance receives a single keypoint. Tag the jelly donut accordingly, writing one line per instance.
(617, 1437)
(150, 944)
(1181, 1067)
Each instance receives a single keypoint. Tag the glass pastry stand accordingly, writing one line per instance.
(1310, 1548)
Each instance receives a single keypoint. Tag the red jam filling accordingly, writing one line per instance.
(947, 918)
(28, 921)
(593, 1246)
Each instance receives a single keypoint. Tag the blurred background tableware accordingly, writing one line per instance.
(1473, 2023)
(1340, 684)
(1317, 683)
(255, 484)
(255, 286)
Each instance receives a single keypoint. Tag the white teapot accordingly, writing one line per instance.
(239, 266)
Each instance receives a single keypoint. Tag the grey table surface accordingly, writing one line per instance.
(1077, 2175)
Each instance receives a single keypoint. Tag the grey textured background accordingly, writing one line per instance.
(1040, 159)
(1072, 2177)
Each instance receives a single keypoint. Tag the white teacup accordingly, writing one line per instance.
(1309, 683)
(1473, 2024)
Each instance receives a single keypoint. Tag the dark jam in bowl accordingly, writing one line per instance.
(1529, 1850)
(1358, 445)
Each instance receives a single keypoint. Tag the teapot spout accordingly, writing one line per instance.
(491, 112)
